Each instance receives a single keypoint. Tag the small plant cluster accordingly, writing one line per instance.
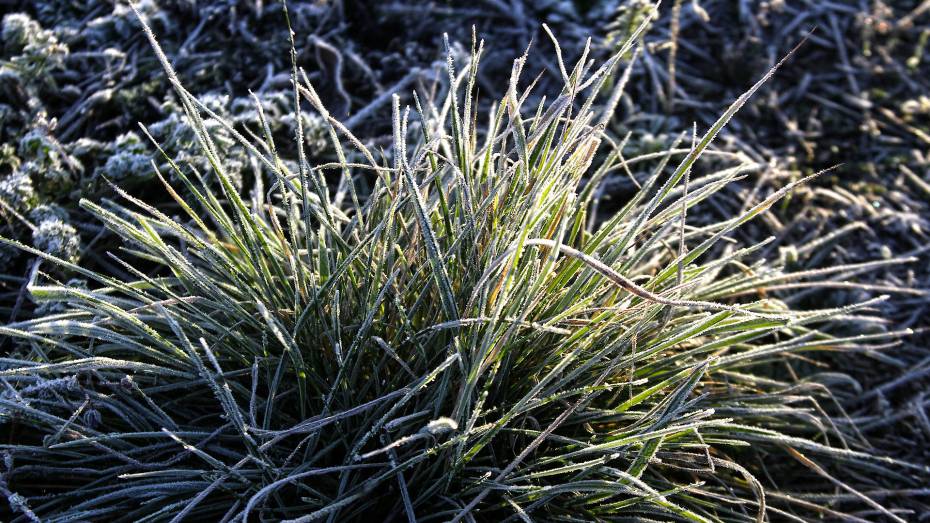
(21, 197)
(444, 329)
(35, 51)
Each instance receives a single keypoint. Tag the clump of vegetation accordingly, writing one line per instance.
(34, 50)
(17, 191)
(459, 338)
(57, 237)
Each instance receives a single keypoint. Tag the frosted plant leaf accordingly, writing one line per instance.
(50, 179)
(58, 238)
(92, 418)
(48, 211)
(19, 30)
(7, 152)
(17, 191)
(46, 307)
(441, 426)
(33, 50)
(126, 165)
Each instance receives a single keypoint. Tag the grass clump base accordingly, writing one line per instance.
(459, 339)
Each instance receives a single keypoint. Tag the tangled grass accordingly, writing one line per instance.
(449, 333)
